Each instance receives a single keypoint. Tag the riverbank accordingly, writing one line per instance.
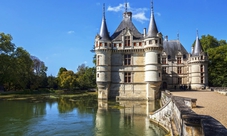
(44, 96)
(208, 103)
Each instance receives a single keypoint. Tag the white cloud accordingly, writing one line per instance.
(118, 8)
(71, 32)
(140, 17)
(138, 13)
(157, 13)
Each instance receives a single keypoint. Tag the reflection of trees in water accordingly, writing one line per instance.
(84, 104)
(16, 116)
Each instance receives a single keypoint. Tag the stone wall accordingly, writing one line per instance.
(176, 116)
(221, 90)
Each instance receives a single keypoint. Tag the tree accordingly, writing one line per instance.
(217, 55)
(217, 70)
(23, 65)
(207, 42)
(6, 46)
(17, 68)
(6, 59)
(52, 82)
(67, 80)
(86, 77)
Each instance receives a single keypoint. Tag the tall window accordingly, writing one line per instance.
(178, 60)
(140, 44)
(201, 57)
(127, 59)
(159, 59)
(127, 40)
(201, 68)
(179, 70)
(127, 77)
(119, 44)
(164, 60)
(114, 44)
(98, 60)
(164, 70)
(179, 80)
(201, 78)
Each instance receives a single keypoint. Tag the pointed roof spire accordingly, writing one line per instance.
(197, 48)
(178, 36)
(103, 29)
(152, 29)
(126, 6)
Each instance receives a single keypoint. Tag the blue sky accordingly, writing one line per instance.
(61, 32)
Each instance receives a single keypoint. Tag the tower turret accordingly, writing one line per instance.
(198, 66)
(103, 59)
(152, 29)
(197, 47)
(153, 50)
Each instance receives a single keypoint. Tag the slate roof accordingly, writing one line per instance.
(173, 47)
(104, 33)
(126, 23)
(152, 29)
(197, 49)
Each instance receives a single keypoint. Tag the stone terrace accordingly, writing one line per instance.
(208, 103)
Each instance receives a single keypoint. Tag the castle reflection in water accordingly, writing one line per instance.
(128, 118)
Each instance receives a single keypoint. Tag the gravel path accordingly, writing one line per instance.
(208, 103)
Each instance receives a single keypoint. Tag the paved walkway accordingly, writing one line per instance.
(208, 103)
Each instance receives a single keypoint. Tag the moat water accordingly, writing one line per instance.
(77, 118)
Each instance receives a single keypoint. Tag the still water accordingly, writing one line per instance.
(77, 118)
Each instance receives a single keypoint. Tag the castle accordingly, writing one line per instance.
(134, 66)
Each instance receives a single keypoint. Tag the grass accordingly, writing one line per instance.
(43, 96)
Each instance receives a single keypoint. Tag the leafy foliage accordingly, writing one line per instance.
(83, 79)
(217, 54)
(18, 71)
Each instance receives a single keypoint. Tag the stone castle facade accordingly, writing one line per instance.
(135, 66)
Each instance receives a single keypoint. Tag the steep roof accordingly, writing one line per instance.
(126, 23)
(152, 29)
(104, 33)
(197, 48)
(173, 47)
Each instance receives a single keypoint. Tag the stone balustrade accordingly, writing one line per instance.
(176, 115)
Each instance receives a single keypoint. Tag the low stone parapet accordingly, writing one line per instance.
(178, 110)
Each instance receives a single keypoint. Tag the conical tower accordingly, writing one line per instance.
(103, 59)
(153, 50)
(198, 67)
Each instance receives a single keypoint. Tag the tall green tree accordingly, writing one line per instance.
(217, 55)
(67, 80)
(217, 69)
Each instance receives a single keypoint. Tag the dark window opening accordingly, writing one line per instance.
(127, 59)
(127, 40)
(127, 77)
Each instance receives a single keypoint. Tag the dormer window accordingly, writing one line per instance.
(164, 60)
(178, 60)
(127, 41)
